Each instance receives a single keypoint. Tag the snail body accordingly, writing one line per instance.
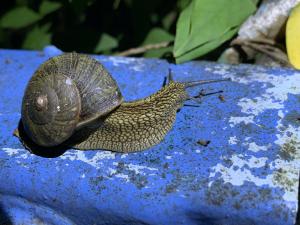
(138, 125)
(141, 124)
(71, 100)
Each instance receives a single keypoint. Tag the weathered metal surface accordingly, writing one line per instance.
(248, 174)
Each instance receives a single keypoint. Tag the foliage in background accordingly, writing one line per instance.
(206, 24)
(109, 27)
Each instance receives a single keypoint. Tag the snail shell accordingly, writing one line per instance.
(66, 93)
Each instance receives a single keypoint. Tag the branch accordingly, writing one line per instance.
(271, 51)
(143, 49)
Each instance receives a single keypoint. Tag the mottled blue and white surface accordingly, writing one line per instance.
(248, 174)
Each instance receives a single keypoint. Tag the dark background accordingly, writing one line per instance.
(77, 25)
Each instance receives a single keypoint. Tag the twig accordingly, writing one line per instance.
(143, 49)
(269, 50)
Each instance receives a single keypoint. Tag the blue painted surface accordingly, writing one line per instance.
(248, 174)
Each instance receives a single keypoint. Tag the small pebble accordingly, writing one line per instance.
(222, 98)
(204, 143)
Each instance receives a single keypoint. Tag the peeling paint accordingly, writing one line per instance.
(232, 140)
(95, 161)
(276, 91)
(252, 146)
(16, 152)
(234, 120)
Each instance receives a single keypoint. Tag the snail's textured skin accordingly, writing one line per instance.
(138, 125)
(67, 92)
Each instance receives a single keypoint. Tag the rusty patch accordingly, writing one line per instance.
(288, 150)
(219, 193)
(96, 184)
(139, 180)
(184, 182)
(281, 177)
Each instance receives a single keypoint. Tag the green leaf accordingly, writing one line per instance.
(158, 53)
(204, 25)
(255, 1)
(181, 4)
(205, 48)
(105, 43)
(19, 17)
(48, 7)
(37, 38)
(157, 35)
(183, 27)
(169, 19)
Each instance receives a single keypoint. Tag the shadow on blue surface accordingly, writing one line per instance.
(49, 152)
(4, 218)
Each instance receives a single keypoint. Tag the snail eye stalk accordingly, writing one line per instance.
(200, 82)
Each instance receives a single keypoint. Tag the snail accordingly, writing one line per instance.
(72, 100)
(65, 94)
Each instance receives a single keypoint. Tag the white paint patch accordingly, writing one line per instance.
(136, 168)
(258, 105)
(285, 173)
(232, 140)
(122, 176)
(137, 64)
(116, 61)
(112, 171)
(252, 146)
(281, 114)
(274, 96)
(139, 169)
(237, 174)
(234, 120)
(178, 153)
(168, 157)
(16, 152)
(221, 69)
(95, 161)
(139, 67)
(198, 151)
(123, 156)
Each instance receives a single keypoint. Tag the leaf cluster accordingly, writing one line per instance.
(193, 27)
